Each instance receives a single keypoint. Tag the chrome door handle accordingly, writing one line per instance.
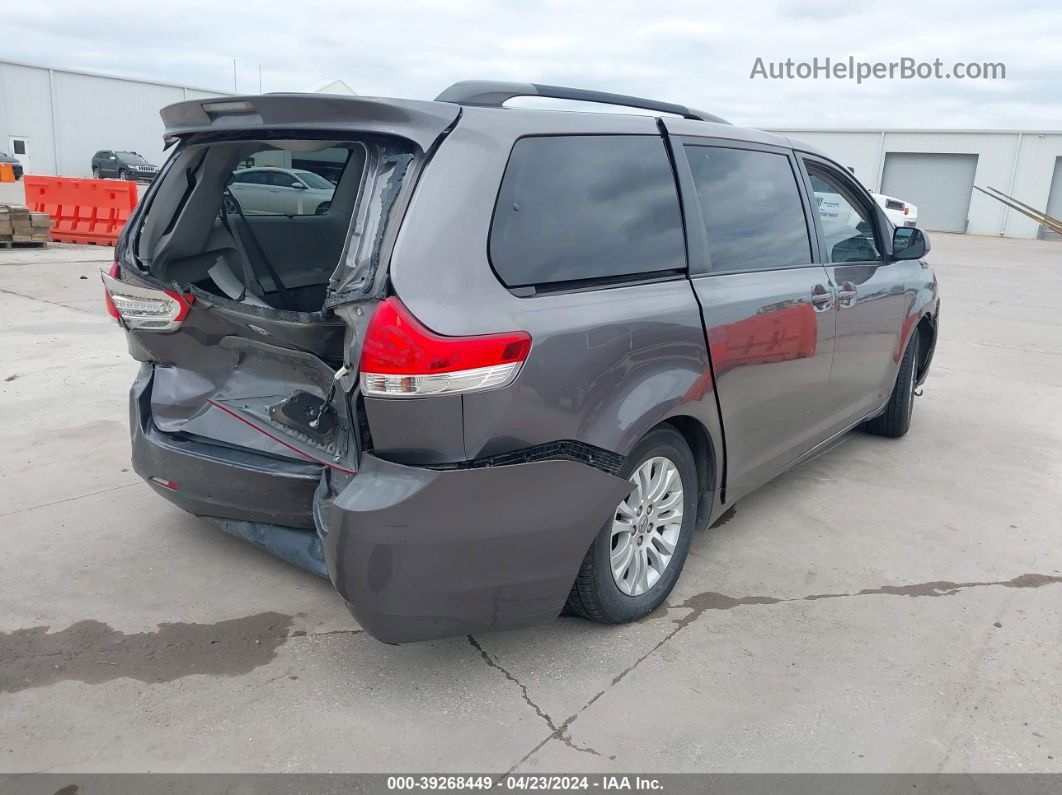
(821, 298)
(846, 295)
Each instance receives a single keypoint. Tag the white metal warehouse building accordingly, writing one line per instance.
(53, 120)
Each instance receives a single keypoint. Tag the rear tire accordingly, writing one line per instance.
(641, 586)
(895, 421)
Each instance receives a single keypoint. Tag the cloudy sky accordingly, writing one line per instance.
(696, 53)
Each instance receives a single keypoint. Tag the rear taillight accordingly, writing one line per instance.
(402, 358)
(112, 310)
(144, 308)
(906, 210)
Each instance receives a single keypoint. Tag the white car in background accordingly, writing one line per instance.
(835, 211)
(263, 190)
(901, 213)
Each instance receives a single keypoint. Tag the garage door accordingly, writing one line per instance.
(940, 185)
(1054, 202)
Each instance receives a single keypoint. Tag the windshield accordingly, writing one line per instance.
(314, 180)
(133, 158)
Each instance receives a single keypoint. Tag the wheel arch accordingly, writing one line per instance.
(704, 455)
(927, 333)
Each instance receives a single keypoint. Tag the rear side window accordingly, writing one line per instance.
(752, 209)
(250, 177)
(586, 208)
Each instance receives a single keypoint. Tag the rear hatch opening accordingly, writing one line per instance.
(270, 222)
(271, 246)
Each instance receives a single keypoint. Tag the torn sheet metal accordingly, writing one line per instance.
(300, 547)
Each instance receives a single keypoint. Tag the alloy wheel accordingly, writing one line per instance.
(646, 527)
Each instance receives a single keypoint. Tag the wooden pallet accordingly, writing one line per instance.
(23, 243)
(18, 226)
(80, 241)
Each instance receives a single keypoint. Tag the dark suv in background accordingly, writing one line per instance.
(522, 356)
(116, 164)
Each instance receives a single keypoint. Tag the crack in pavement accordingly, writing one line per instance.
(698, 604)
(301, 634)
(70, 499)
(563, 736)
(523, 688)
(46, 301)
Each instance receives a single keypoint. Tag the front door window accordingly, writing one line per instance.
(846, 224)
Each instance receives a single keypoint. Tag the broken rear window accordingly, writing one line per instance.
(288, 224)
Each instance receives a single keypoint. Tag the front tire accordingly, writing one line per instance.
(123, 174)
(95, 173)
(637, 556)
(895, 421)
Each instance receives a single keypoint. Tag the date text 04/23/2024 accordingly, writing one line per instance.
(534, 783)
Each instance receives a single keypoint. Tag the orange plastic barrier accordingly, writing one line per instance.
(7, 172)
(82, 210)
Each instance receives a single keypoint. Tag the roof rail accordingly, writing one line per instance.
(494, 93)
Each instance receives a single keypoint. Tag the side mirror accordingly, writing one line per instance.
(909, 242)
(298, 185)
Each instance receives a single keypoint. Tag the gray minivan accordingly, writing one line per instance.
(521, 357)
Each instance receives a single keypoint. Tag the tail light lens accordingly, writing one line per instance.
(906, 210)
(144, 308)
(112, 310)
(400, 357)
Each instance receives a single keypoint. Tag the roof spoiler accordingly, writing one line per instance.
(420, 122)
(494, 93)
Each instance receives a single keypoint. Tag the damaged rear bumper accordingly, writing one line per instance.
(424, 553)
(416, 553)
(215, 481)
